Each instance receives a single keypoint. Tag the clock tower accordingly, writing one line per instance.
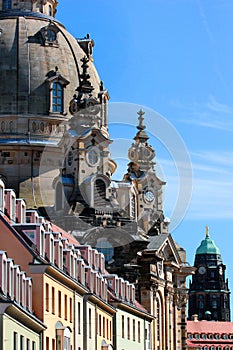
(142, 175)
(209, 295)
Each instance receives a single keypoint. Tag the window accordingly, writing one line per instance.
(57, 103)
(104, 327)
(50, 11)
(133, 330)
(107, 328)
(92, 157)
(47, 343)
(47, 296)
(71, 310)
(201, 301)
(53, 300)
(3, 126)
(6, 4)
(79, 318)
(70, 158)
(89, 323)
(59, 303)
(21, 342)
(128, 327)
(123, 326)
(139, 332)
(100, 328)
(67, 339)
(1, 198)
(33, 345)
(214, 302)
(110, 330)
(149, 335)
(51, 35)
(15, 341)
(65, 306)
(103, 246)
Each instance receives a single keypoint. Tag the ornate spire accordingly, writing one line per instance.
(207, 231)
(141, 135)
(85, 86)
(141, 126)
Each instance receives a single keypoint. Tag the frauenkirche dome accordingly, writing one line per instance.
(40, 68)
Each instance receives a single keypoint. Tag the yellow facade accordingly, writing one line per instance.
(104, 328)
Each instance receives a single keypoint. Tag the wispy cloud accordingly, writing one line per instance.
(212, 186)
(211, 114)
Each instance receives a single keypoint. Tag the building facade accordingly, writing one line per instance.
(55, 155)
(19, 328)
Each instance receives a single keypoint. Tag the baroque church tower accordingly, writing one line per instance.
(209, 295)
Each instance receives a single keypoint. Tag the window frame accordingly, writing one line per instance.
(54, 82)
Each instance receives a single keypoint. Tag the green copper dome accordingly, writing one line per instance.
(207, 246)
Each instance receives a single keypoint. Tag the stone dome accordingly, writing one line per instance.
(41, 67)
(35, 51)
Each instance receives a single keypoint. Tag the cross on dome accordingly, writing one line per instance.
(141, 126)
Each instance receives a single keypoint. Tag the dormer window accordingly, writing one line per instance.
(49, 34)
(6, 5)
(57, 86)
(57, 103)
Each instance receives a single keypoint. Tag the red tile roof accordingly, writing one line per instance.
(210, 327)
(65, 234)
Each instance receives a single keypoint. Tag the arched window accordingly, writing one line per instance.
(6, 4)
(50, 10)
(158, 320)
(57, 103)
(99, 193)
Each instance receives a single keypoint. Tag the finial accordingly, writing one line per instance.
(141, 126)
(207, 231)
(85, 85)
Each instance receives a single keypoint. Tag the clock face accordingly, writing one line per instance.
(149, 196)
(202, 270)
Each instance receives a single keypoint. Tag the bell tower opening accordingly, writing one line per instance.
(100, 193)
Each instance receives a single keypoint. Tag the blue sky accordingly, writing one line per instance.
(173, 58)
